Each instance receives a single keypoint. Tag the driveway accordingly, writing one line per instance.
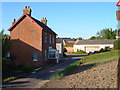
(36, 80)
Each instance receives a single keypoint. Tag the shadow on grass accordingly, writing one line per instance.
(78, 67)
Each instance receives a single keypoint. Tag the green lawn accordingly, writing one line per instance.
(105, 56)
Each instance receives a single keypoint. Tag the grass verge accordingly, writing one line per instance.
(93, 60)
(66, 70)
(19, 75)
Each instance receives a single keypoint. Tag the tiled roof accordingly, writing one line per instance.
(69, 40)
(59, 40)
(33, 19)
(43, 25)
(94, 42)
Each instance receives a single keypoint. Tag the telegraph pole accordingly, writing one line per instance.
(117, 37)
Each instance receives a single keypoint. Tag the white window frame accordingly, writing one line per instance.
(53, 39)
(35, 58)
(50, 38)
(45, 55)
(45, 37)
(8, 54)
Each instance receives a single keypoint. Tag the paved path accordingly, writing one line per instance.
(39, 78)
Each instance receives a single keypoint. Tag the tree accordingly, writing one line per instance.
(107, 34)
(117, 44)
(92, 38)
(80, 38)
(5, 43)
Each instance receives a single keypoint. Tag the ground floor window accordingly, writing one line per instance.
(35, 56)
(8, 55)
(45, 54)
(52, 54)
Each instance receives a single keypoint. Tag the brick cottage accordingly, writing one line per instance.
(31, 40)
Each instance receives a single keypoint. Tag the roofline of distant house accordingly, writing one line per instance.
(83, 43)
(30, 19)
(93, 44)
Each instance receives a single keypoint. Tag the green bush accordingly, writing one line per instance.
(27, 69)
(96, 52)
(79, 52)
(4, 64)
(24, 69)
(65, 50)
(117, 44)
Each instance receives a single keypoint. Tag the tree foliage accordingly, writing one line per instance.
(105, 34)
(80, 38)
(117, 44)
(92, 38)
(5, 43)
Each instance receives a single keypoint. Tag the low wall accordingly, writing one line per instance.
(69, 49)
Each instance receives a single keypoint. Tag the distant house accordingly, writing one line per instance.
(60, 46)
(92, 45)
(33, 42)
(68, 42)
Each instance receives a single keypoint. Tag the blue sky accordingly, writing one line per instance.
(67, 19)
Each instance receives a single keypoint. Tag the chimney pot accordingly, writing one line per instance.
(27, 10)
(29, 7)
(25, 7)
(44, 20)
(13, 21)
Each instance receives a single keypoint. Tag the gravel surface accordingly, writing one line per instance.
(100, 76)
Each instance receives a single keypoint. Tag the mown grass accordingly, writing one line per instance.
(100, 56)
(92, 60)
(79, 52)
(66, 70)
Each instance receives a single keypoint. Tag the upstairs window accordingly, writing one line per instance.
(53, 40)
(45, 37)
(50, 39)
(35, 56)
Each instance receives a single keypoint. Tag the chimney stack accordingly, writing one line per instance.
(27, 10)
(13, 21)
(44, 20)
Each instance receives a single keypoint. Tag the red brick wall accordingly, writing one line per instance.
(46, 45)
(26, 39)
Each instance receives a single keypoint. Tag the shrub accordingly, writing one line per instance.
(101, 50)
(117, 44)
(4, 64)
(79, 52)
(27, 69)
(96, 52)
(104, 50)
(65, 50)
